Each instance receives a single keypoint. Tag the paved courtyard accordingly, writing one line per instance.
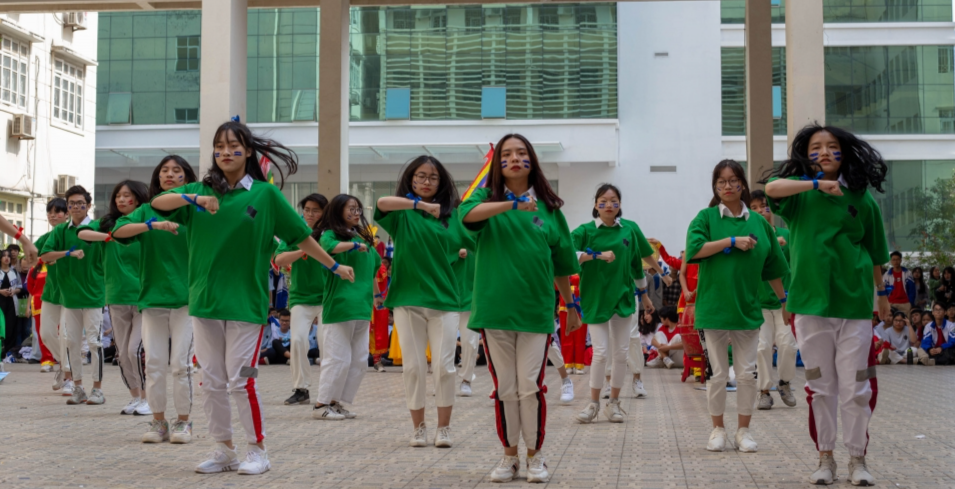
(45, 443)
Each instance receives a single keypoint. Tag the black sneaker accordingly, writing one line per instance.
(299, 396)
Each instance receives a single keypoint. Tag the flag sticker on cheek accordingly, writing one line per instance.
(237, 153)
(251, 212)
(216, 154)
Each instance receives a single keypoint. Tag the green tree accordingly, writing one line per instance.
(934, 233)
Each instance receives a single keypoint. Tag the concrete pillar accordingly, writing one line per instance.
(223, 58)
(805, 65)
(759, 90)
(333, 58)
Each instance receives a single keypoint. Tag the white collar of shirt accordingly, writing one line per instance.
(530, 192)
(246, 182)
(726, 212)
(599, 222)
(85, 222)
(842, 181)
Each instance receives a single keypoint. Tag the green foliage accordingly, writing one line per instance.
(934, 233)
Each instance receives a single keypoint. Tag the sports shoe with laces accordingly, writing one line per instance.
(613, 411)
(566, 391)
(826, 473)
(222, 459)
(537, 468)
(668, 362)
(786, 394)
(180, 432)
(717, 441)
(96, 397)
(46, 367)
(58, 379)
(420, 436)
(131, 406)
(67, 389)
(344, 412)
(256, 462)
(142, 409)
(327, 413)
(744, 441)
(158, 431)
(299, 396)
(443, 437)
(765, 401)
(638, 391)
(605, 392)
(506, 470)
(78, 397)
(859, 472)
(589, 414)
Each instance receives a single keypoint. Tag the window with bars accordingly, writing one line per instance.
(945, 58)
(67, 93)
(187, 116)
(14, 83)
(187, 53)
(13, 212)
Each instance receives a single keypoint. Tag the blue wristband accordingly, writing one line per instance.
(639, 293)
(70, 251)
(881, 293)
(415, 198)
(783, 300)
(333, 267)
(149, 222)
(576, 306)
(815, 184)
(377, 296)
(728, 249)
(194, 202)
(357, 245)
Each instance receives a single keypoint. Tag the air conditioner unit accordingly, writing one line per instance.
(76, 20)
(24, 127)
(63, 183)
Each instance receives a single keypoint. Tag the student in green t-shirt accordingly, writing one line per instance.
(775, 330)
(50, 309)
(122, 289)
(523, 249)
(838, 245)
(347, 307)
(234, 216)
(737, 251)
(164, 303)
(79, 278)
(424, 292)
(306, 289)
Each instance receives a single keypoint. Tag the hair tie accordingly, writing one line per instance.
(235, 118)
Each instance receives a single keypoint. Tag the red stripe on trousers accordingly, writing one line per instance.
(498, 405)
(253, 397)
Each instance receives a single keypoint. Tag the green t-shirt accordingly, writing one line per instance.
(463, 268)
(230, 251)
(728, 288)
(122, 273)
(306, 285)
(767, 297)
(344, 300)
(607, 288)
(81, 281)
(51, 289)
(421, 272)
(518, 255)
(643, 246)
(164, 266)
(836, 242)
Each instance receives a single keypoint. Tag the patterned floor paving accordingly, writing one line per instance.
(45, 443)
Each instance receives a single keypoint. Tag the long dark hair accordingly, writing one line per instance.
(258, 147)
(447, 194)
(536, 179)
(738, 172)
(138, 189)
(651, 327)
(332, 221)
(862, 165)
(951, 272)
(189, 176)
(919, 282)
(602, 190)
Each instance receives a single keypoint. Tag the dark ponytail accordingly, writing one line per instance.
(258, 147)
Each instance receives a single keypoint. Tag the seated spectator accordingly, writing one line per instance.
(898, 342)
(915, 319)
(667, 341)
(938, 340)
(945, 292)
(279, 353)
(950, 314)
(266, 344)
(313, 343)
(648, 328)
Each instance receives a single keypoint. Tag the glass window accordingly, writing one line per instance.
(187, 116)
(14, 63)
(67, 93)
(734, 11)
(118, 109)
(902, 208)
(187, 53)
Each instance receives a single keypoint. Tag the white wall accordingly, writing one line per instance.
(30, 167)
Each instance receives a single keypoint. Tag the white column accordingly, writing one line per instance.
(333, 93)
(759, 90)
(805, 65)
(223, 66)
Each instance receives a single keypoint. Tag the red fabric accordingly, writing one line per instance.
(380, 248)
(253, 395)
(35, 287)
(898, 295)
(669, 334)
(939, 338)
(379, 318)
(572, 345)
(692, 278)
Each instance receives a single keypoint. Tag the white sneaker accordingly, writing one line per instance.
(420, 436)
(222, 459)
(859, 472)
(506, 469)
(465, 389)
(579, 371)
(443, 438)
(744, 441)
(46, 368)
(537, 468)
(78, 397)
(158, 431)
(344, 412)
(96, 397)
(826, 473)
(668, 362)
(656, 362)
(256, 461)
(605, 392)
(638, 391)
(379, 367)
(717, 441)
(589, 414)
(67, 389)
(613, 411)
(58, 379)
(181, 432)
(327, 413)
(142, 409)
(566, 391)
(131, 407)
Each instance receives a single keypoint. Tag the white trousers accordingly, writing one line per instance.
(553, 352)
(839, 377)
(675, 355)
(889, 357)
(635, 358)
(76, 322)
(470, 342)
(346, 362)
(417, 326)
(516, 362)
(228, 352)
(612, 336)
(53, 338)
(128, 333)
(301, 322)
(744, 363)
(160, 328)
(775, 330)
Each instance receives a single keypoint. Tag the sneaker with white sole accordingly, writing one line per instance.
(613, 411)
(580, 371)
(566, 391)
(45, 368)
(327, 413)
(744, 441)
(256, 461)
(605, 392)
(344, 412)
(143, 409)
(67, 389)
(222, 459)
(638, 391)
(826, 473)
(589, 414)
(786, 394)
(78, 397)
(131, 407)
(58, 379)
(668, 362)
(158, 431)
(299, 396)
(96, 397)
(465, 390)
(379, 367)
(765, 401)
(537, 468)
(506, 470)
(420, 436)
(443, 438)
(859, 472)
(181, 432)
(718, 440)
